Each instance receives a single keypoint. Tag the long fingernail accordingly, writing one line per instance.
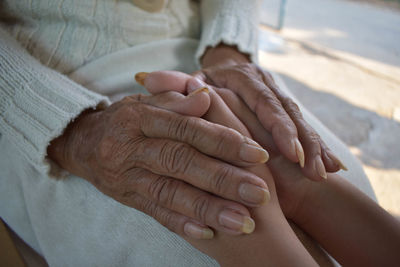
(254, 194)
(236, 221)
(320, 168)
(342, 166)
(337, 160)
(198, 91)
(140, 77)
(299, 152)
(196, 231)
(253, 152)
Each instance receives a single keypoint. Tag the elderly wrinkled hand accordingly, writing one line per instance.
(225, 67)
(181, 170)
(228, 109)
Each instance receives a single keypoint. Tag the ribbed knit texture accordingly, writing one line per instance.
(66, 34)
(230, 22)
(36, 103)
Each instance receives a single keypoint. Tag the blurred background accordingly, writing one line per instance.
(341, 58)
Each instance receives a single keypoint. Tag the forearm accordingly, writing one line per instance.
(349, 225)
(273, 243)
(70, 146)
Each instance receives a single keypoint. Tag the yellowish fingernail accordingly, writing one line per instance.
(200, 90)
(207, 233)
(254, 194)
(337, 160)
(299, 152)
(342, 166)
(320, 168)
(196, 231)
(140, 77)
(248, 225)
(252, 152)
(236, 221)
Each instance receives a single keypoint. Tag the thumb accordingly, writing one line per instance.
(168, 89)
(162, 81)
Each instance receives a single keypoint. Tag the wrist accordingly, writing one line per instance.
(223, 55)
(66, 150)
(312, 202)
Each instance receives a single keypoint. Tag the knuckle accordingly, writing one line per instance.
(314, 137)
(313, 140)
(164, 190)
(180, 127)
(190, 130)
(200, 207)
(224, 140)
(150, 208)
(144, 115)
(266, 97)
(220, 179)
(290, 106)
(166, 219)
(269, 97)
(143, 204)
(176, 157)
(282, 125)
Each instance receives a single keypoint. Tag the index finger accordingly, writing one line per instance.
(264, 103)
(222, 141)
(209, 138)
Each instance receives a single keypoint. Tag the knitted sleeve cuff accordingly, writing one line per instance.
(233, 22)
(37, 103)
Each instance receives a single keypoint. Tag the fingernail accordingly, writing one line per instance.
(342, 166)
(194, 84)
(196, 231)
(337, 160)
(320, 168)
(253, 152)
(253, 194)
(200, 90)
(299, 152)
(236, 221)
(140, 77)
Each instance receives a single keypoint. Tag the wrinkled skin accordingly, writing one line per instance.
(273, 237)
(175, 168)
(225, 67)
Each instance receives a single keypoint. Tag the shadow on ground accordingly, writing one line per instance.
(356, 28)
(375, 136)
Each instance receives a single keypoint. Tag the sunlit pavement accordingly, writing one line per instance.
(342, 60)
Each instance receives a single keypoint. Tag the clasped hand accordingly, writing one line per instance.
(181, 169)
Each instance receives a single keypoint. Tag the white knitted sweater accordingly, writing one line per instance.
(40, 40)
(42, 44)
